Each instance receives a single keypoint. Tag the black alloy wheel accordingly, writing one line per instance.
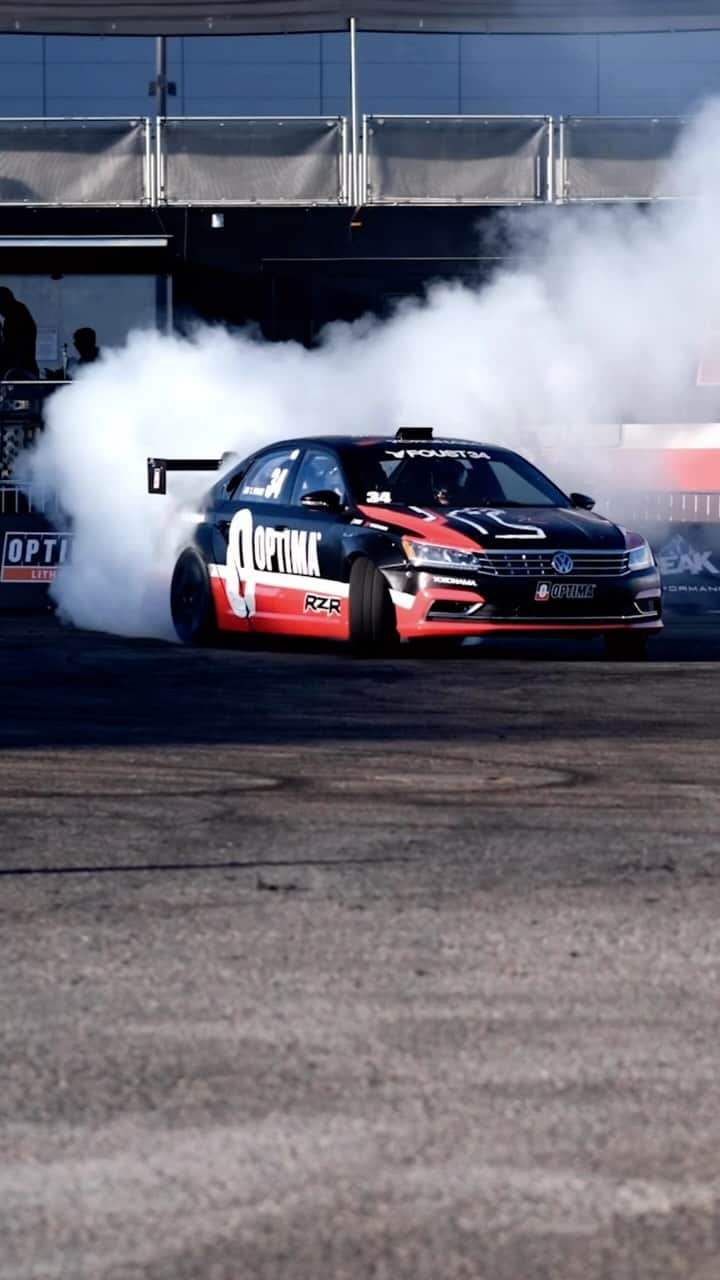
(191, 602)
(373, 625)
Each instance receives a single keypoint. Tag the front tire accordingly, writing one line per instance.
(626, 646)
(373, 625)
(191, 602)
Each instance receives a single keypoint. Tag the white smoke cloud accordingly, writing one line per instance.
(598, 319)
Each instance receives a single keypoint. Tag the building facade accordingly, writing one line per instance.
(625, 74)
(289, 265)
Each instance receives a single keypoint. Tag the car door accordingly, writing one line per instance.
(254, 521)
(317, 530)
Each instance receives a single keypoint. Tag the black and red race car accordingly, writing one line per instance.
(377, 540)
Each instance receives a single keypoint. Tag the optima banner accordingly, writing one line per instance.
(32, 555)
(31, 552)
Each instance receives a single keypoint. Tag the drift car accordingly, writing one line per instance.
(374, 540)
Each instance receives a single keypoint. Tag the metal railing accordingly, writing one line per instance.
(76, 160)
(669, 506)
(305, 160)
(252, 160)
(456, 159)
(28, 499)
(616, 158)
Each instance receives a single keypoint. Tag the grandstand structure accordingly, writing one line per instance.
(293, 164)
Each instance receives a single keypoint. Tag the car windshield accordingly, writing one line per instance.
(447, 476)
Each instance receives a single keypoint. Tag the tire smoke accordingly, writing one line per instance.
(598, 317)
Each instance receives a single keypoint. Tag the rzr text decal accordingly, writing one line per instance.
(322, 604)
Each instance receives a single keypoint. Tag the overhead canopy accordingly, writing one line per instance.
(243, 17)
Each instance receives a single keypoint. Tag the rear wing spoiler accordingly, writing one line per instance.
(157, 468)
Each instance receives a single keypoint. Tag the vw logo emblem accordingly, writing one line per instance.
(562, 562)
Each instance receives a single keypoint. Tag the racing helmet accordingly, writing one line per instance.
(322, 471)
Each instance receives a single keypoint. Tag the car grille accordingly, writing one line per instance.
(538, 564)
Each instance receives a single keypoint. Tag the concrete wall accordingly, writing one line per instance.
(664, 74)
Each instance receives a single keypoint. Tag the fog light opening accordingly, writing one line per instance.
(454, 609)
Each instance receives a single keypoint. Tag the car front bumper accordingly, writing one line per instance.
(439, 603)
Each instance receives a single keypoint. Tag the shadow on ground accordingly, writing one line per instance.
(60, 686)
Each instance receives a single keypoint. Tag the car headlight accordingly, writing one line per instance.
(641, 557)
(433, 553)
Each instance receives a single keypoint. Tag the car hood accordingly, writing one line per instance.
(504, 528)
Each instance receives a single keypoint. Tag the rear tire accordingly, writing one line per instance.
(626, 646)
(373, 625)
(191, 601)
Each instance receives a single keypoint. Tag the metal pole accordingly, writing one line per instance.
(364, 159)
(163, 302)
(169, 318)
(353, 115)
(344, 176)
(161, 80)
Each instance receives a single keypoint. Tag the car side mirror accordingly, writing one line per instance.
(322, 500)
(581, 500)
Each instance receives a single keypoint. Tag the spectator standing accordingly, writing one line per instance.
(88, 351)
(19, 337)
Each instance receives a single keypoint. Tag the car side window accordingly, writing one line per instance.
(229, 486)
(269, 478)
(320, 469)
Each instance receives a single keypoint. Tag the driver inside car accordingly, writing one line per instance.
(322, 472)
(441, 485)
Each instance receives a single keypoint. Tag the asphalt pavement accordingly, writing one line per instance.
(316, 968)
